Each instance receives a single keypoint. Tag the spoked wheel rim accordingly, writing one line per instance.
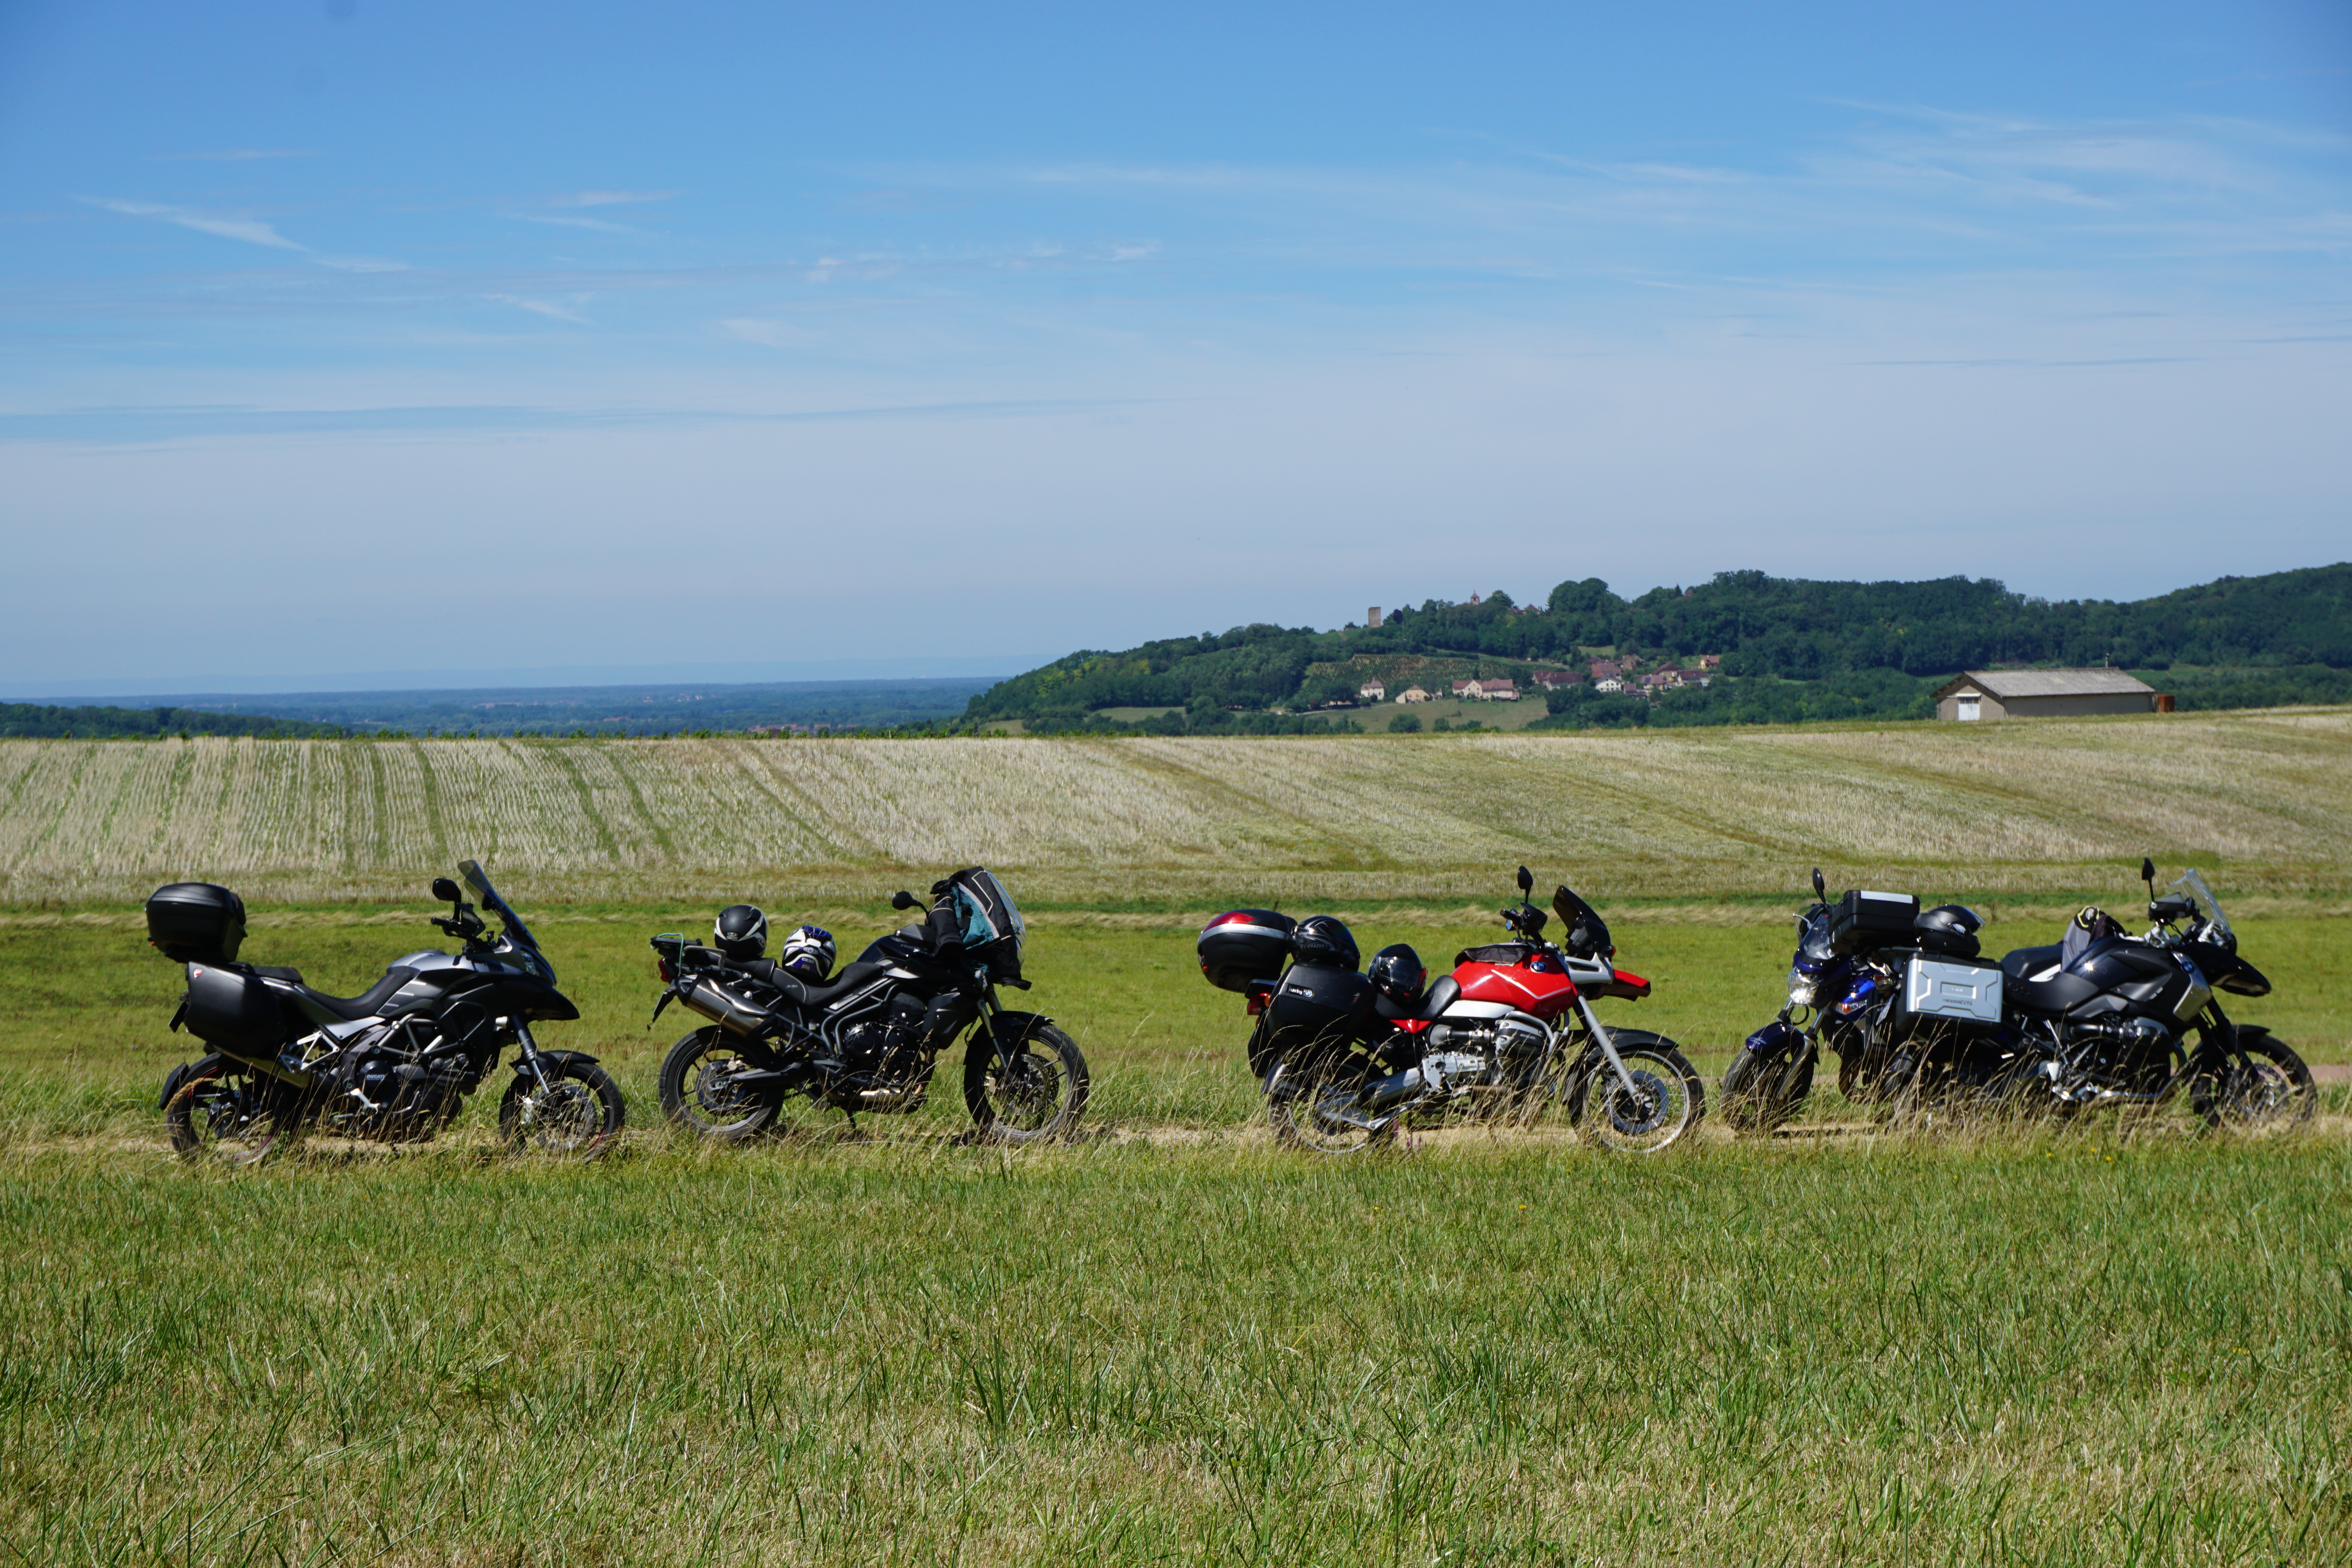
(2272, 1093)
(1314, 1108)
(1662, 1105)
(225, 1116)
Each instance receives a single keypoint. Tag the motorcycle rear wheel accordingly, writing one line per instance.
(2278, 1096)
(577, 1113)
(226, 1110)
(1667, 1100)
(697, 1094)
(1306, 1101)
(1037, 1091)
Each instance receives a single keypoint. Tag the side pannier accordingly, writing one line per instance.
(1245, 946)
(235, 1011)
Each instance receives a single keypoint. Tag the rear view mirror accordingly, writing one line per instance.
(1526, 881)
(902, 899)
(1820, 888)
(447, 890)
(2147, 870)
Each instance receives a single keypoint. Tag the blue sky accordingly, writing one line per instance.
(348, 336)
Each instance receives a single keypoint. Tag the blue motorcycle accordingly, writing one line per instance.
(1920, 1020)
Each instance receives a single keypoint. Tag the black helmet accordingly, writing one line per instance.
(1954, 920)
(1321, 939)
(740, 931)
(1397, 975)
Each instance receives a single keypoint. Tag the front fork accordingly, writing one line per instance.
(530, 1060)
(1608, 1048)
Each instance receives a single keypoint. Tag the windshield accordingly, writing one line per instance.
(470, 873)
(2194, 885)
(1813, 939)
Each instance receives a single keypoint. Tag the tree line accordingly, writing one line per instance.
(2286, 637)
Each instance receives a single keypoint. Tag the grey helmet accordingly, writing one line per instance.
(740, 931)
(807, 952)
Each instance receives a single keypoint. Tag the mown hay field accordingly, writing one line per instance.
(2043, 807)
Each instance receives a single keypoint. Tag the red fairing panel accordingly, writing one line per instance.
(1544, 993)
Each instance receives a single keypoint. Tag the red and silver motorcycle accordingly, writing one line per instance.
(1510, 1037)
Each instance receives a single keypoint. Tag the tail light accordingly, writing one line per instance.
(1258, 1001)
(662, 967)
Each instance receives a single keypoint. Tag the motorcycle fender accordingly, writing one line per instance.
(1014, 1024)
(2242, 979)
(555, 1059)
(1770, 1039)
(171, 1082)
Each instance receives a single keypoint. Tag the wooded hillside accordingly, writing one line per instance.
(2284, 638)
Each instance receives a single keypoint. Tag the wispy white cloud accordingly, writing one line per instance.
(547, 307)
(601, 226)
(608, 198)
(247, 230)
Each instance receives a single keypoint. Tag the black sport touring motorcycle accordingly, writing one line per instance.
(867, 1038)
(393, 1065)
(1921, 1023)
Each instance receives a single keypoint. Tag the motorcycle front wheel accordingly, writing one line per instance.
(2277, 1095)
(578, 1111)
(700, 1094)
(228, 1112)
(1764, 1091)
(1665, 1101)
(1311, 1105)
(1035, 1088)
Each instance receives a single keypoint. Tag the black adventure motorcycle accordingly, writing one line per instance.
(393, 1065)
(867, 1038)
(1921, 1023)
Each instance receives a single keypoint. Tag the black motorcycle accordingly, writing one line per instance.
(393, 1065)
(867, 1038)
(1921, 1023)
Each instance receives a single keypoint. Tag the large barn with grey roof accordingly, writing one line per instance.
(2042, 694)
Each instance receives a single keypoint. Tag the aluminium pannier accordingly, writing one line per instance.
(1951, 992)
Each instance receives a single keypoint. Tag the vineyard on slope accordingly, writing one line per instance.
(2019, 807)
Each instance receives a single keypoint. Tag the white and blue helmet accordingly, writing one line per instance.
(807, 954)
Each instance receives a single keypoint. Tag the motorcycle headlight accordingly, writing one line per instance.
(1800, 988)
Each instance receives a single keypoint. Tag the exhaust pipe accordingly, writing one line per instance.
(701, 994)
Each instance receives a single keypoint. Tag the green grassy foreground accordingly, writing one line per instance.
(1174, 1347)
(2018, 1351)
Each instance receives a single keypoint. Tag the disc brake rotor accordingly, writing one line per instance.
(1634, 1117)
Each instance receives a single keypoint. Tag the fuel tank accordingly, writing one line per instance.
(1536, 984)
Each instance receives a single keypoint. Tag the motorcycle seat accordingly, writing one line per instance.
(366, 1003)
(1433, 1001)
(831, 991)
